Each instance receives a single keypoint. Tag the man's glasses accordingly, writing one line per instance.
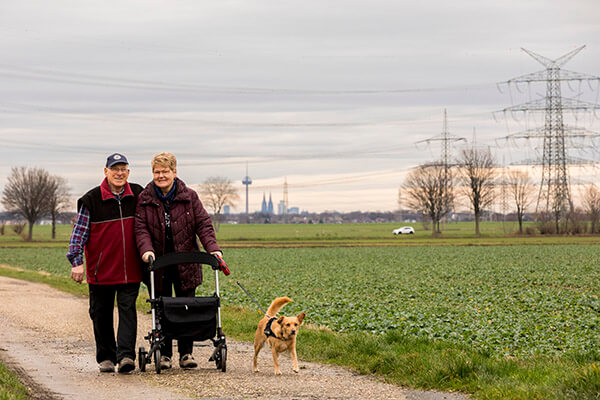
(119, 169)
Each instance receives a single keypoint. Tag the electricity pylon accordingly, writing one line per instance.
(554, 194)
(446, 138)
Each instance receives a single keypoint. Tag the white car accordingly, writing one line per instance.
(405, 230)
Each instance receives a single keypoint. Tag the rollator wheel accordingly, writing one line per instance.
(223, 359)
(157, 360)
(142, 358)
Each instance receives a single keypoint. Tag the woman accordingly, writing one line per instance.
(168, 217)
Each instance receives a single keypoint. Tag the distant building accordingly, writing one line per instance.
(266, 208)
(270, 206)
(293, 210)
(226, 209)
(263, 205)
(281, 208)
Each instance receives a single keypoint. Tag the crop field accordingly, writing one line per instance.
(504, 300)
(517, 300)
(337, 235)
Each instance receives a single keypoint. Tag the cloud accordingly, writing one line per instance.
(297, 89)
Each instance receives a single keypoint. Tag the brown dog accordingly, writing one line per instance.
(281, 336)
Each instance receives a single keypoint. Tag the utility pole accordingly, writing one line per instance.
(554, 193)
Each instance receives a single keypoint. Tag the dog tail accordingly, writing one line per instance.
(276, 305)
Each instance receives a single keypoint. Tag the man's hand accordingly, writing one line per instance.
(77, 273)
(222, 264)
(146, 256)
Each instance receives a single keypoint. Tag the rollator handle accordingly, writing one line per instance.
(222, 264)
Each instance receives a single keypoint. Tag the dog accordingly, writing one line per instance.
(280, 333)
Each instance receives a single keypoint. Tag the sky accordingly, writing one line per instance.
(338, 98)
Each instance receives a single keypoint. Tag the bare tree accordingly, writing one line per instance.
(520, 186)
(591, 205)
(216, 192)
(27, 192)
(58, 200)
(477, 170)
(428, 190)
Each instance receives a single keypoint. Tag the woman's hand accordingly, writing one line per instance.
(146, 256)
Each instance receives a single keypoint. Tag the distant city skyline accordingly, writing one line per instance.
(332, 96)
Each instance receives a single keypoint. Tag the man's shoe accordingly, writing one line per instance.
(126, 365)
(187, 361)
(106, 366)
(165, 362)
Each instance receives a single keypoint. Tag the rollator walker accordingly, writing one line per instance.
(195, 318)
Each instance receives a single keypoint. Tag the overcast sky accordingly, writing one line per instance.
(332, 95)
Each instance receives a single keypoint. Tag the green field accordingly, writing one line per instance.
(336, 235)
(511, 321)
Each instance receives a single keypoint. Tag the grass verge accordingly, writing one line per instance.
(409, 361)
(11, 387)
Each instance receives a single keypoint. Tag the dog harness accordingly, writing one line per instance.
(268, 331)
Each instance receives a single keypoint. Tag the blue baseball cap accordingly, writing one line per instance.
(116, 158)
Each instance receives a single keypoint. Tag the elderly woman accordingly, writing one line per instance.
(168, 217)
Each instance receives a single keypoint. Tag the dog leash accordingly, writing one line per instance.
(255, 302)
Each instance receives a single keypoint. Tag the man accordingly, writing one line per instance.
(104, 231)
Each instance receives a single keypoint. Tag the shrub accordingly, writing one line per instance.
(18, 228)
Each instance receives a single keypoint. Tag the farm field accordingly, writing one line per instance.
(334, 235)
(517, 300)
(534, 307)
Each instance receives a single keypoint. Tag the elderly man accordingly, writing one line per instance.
(104, 231)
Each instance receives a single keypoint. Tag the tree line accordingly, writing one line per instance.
(34, 193)
(432, 190)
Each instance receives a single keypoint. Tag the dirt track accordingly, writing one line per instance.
(46, 336)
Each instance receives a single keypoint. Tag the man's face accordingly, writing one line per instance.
(163, 177)
(117, 175)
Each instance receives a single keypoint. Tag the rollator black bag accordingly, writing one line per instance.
(192, 318)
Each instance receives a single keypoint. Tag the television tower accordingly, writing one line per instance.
(554, 194)
(247, 182)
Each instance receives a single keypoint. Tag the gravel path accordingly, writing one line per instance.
(46, 336)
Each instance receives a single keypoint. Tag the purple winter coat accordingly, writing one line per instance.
(188, 219)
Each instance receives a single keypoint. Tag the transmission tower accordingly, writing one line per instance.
(285, 194)
(554, 194)
(446, 138)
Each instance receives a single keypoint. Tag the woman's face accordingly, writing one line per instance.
(164, 177)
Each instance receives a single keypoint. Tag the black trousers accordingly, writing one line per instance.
(102, 304)
(171, 281)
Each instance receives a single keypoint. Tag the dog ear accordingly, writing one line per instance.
(301, 317)
(280, 320)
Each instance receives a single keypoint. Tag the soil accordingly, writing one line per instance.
(46, 337)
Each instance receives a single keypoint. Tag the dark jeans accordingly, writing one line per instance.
(171, 281)
(102, 304)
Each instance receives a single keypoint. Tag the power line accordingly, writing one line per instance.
(28, 73)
